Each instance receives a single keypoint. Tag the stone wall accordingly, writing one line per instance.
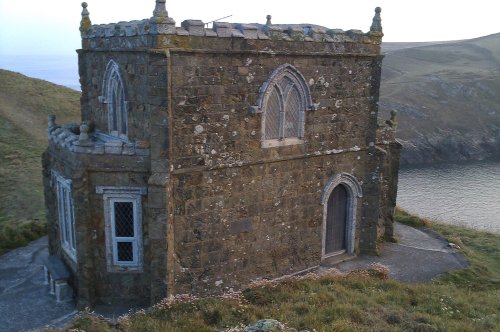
(91, 279)
(241, 211)
(134, 69)
(389, 150)
(263, 220)
(145, 77)
(211, 101)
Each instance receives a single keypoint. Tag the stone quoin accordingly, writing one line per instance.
(210, 157)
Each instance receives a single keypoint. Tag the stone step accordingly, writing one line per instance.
(56, 276)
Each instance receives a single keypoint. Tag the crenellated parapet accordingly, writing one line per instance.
(81, 139)
(287, 32)
(160, 31)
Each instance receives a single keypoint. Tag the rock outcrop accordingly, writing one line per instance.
(447, 100)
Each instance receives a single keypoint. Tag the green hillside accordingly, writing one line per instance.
(447, 98)
(24, 105)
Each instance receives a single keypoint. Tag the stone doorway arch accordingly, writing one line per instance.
(339, 200)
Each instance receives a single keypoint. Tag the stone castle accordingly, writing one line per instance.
(210, 157)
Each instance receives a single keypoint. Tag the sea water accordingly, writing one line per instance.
(466, 194)
(59, 69)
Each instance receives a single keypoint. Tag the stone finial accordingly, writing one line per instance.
(160, 23)
(51, 122)
(84, 132)
(377, 21)
(160, 9)
(85, 22)
(392, 122)
(268, 18)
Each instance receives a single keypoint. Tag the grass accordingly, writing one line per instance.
(465, 300)
(409, 219)
(26, 102)
(24, 106)
(22, 217)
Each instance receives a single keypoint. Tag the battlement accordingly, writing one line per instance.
(85, 140)
(148, 32)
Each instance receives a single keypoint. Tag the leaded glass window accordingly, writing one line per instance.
(123, 226)
(124, 232)
(283, 100)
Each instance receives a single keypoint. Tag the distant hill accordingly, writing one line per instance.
(388, 47)
(447, 96)
(24, 105)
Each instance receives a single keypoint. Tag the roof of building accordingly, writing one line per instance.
(161, 24)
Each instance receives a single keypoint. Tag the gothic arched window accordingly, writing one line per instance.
(114, 97)
(283, 100)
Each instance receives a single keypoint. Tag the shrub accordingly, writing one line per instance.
(18, 234)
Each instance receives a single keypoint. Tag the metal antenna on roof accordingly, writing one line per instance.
(217, 20)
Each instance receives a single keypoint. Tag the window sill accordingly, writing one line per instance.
(71, 254)
(125, 269)
(110, 137)
(271, 143)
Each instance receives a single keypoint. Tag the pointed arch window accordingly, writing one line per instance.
(283, 100)
(114, 97)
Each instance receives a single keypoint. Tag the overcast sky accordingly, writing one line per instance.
(51, 26)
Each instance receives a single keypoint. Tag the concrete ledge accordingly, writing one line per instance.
(336, 259)
(418, 256)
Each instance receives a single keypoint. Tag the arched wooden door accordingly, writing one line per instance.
(336, 220)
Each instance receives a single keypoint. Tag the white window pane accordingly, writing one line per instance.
(112, 108)
(72, 225)
(123, 228)
(115, 97)
(272, 115)
(292, 113)
(66, 216)
(69, 217)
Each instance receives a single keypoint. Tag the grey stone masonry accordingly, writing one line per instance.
(74, 139)
(308, 32)
(57, 276)
(161, 24)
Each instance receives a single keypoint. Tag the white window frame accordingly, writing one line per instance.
(133, 240)
(65, 214)
(112, 195)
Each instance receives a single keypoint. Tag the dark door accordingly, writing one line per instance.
(336, 220)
